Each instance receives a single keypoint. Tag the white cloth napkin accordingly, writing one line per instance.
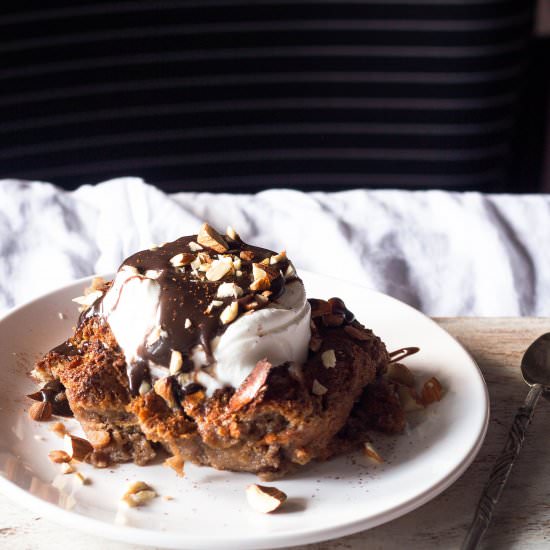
(444, 253)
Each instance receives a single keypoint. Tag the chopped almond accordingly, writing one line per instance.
(184, 258)
(195, 247)
(163, 387)
(59, 456)
(318, 388)
(76, 447)
(40, 411)
(176, 362)
(176, 463)
(218, 269)
(328, 358)
(372, 453)
(210, 238)
(229, 314)
(264, 499)
(232, 234)
(432, 391)
(252, 384)
(138, 494)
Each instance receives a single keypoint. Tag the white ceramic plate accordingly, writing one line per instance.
(209, 507)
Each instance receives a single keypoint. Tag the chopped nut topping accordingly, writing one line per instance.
(67, 468)
(176, 463)
(399, 373)
(59, 456)
(372, 453)
(219, 268)
(98, 283)
(210, 238)
(153, 273)
(246, 255)
(229, 290)
(252, 384)
(76, 447)
(318, 388)
(188, 323)
(176, 362)
(212, 305)
(278, 258)
(264, 499)
(263, 275)
(40, 411)
(194, 247)
(89, 299)
(163, 387)
(138, 493)
(184, 258)
(229, 314)
(432, 391)
(196, 263)
(232, 234)
(237, 263)
(205, 258)
(329, 359)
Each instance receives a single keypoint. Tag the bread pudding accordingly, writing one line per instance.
(208, 349)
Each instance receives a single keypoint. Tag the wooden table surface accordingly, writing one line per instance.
(522, 519)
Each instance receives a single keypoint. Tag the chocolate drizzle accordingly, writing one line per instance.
(185, 295)
(400, 354)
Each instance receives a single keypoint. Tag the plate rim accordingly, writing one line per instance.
(168, 539)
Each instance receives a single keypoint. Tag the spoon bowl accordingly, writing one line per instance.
(535, 365)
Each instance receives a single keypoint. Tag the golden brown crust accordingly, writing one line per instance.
(291, 417)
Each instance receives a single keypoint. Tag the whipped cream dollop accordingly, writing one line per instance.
(205, 315)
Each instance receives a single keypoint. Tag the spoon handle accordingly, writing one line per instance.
(501, 470)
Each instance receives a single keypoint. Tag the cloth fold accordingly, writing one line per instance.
(444, 253)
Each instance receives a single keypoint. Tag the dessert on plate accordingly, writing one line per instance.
(207, 348)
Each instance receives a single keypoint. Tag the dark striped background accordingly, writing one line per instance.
(235, 95)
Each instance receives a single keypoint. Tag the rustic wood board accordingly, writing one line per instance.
(522, 519)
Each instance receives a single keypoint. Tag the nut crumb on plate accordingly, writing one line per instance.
(138, 493)
(264, 499)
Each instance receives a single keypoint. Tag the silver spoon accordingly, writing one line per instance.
(535, 367)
